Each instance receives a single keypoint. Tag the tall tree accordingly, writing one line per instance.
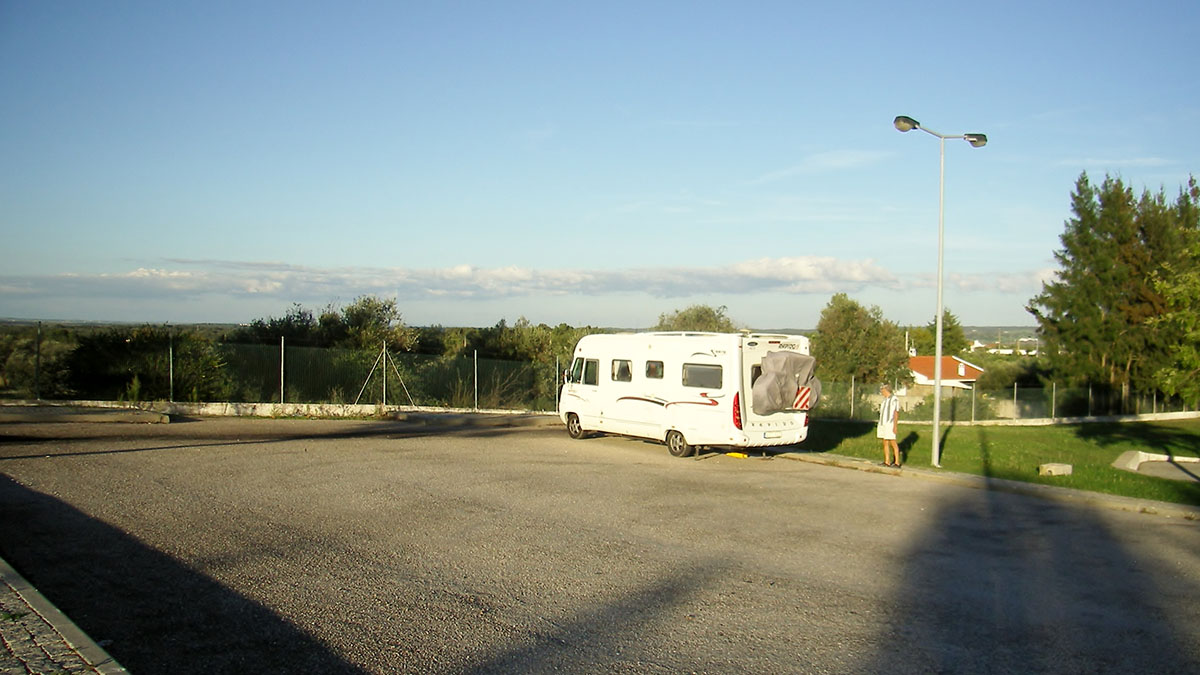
(1180, 288)
(698, 318)
(954, 339)
(854, 341)
(1094, 317)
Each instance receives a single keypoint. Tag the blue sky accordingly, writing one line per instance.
(587, 163)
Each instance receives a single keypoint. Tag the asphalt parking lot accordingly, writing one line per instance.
(282, 546)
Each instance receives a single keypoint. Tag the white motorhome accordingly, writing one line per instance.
(691, 389)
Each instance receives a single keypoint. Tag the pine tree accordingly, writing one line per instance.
(1095, 317)
(954, 338)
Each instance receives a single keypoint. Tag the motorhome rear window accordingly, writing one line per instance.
(654, 370)
(622, 370)
(591, 371)
(702, 375)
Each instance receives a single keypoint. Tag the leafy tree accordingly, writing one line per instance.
(370, 321)
(855, 342)
(1095, 316)
(363, 324)
(1180, 288)
(124, 363)
(438, 340)
(1001, 371)
(25, 365)
(697, 318)
(954, 339)
(521, 341)
(296, 327)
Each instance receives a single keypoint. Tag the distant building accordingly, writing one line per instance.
(997, 348)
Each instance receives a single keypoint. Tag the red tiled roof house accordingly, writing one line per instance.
(956, 374)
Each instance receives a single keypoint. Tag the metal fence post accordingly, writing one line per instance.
(281, 369)
(972, 403)
(1053, 398)
(1016, 410)
(170, 366)
(851, 397)
(476, 361)
(37, 364)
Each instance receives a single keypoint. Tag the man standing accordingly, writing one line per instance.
(889, 421)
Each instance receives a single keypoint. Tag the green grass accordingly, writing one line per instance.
(1014, 453)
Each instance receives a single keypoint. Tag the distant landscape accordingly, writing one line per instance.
(987, 334)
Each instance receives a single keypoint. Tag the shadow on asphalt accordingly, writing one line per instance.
(1005, 583)
(154, 614)
(827, 435)
(589, 641)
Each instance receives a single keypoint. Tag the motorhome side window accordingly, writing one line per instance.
(576, 372)
(622, 370)
(591, 371)
(654, 370)
(702, 375)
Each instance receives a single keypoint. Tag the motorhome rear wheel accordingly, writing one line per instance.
(677, 445)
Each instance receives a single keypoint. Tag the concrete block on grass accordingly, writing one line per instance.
(1053, 469)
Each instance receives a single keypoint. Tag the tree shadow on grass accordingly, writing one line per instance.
(155, 614)
(1154, 437)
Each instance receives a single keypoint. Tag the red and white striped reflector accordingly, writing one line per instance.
(803, 397)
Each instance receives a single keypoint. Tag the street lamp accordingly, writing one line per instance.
(904, 123)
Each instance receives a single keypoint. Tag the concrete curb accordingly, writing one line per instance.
(46, 625)
(1050, 492)
(1131, 460)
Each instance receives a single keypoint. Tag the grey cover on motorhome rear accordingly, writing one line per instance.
(783, 373)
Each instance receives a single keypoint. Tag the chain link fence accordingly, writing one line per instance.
(1018, 402)
(160, 366)
(252, 373)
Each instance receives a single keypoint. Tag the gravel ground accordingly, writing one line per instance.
(284, 546)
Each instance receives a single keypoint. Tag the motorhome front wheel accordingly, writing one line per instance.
(574, 428)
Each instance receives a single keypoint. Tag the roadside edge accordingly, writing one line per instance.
(91, 653)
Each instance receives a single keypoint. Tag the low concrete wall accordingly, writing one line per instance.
(336, 410)
(315, 410)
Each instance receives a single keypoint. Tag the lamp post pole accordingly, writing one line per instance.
(904, 124)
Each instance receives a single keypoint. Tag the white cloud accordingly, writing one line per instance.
(1027, 282)
(239, 282)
